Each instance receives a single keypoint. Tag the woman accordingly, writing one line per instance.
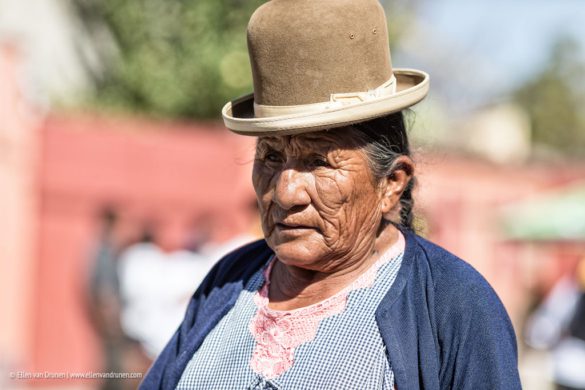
(341, 294)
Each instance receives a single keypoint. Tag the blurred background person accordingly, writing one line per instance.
(558, 324)
(104, 303)
(157, 278)
(124, 348)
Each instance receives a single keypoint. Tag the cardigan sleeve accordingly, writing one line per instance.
(476, 337)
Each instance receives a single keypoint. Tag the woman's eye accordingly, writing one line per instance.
(320, 162)
(273, 157)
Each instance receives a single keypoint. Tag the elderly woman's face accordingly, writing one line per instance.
(317, 199)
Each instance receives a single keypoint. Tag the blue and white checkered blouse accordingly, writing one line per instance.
(347, 351)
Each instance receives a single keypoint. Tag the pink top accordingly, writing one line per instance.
(278, 333)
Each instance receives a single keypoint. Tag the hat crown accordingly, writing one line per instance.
(303, 51)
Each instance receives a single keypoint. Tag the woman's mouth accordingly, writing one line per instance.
(282, 225)
(294, 228)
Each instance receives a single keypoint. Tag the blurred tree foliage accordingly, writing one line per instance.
(173, 58)
(179, 58)
(554, 100)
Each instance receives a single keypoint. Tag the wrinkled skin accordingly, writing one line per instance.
(322, 212)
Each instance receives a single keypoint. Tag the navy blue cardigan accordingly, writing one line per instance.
(443, 325)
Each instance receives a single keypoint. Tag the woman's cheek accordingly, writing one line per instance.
(329, 193)
(261, 177)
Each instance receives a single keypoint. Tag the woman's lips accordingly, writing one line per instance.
(293, 227)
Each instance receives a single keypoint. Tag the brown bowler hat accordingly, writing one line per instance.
(319, 64)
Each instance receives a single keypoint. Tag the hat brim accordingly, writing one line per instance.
(411, 87)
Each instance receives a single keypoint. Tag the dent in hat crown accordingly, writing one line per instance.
(303, 51)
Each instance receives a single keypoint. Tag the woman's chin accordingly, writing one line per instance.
(299, 253)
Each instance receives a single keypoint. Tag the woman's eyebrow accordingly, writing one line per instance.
(318, 145)
(267, 143)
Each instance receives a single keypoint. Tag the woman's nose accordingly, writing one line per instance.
(291, 189)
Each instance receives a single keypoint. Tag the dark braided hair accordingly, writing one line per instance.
(384, 140)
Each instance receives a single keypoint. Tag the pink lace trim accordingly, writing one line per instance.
(278, 333)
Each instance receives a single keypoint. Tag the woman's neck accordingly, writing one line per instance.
(293, 287)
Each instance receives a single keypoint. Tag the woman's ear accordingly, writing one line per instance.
(395, 183)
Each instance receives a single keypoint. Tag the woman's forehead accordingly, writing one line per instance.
(333, 139)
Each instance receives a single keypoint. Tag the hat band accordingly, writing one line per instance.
(336, 100)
